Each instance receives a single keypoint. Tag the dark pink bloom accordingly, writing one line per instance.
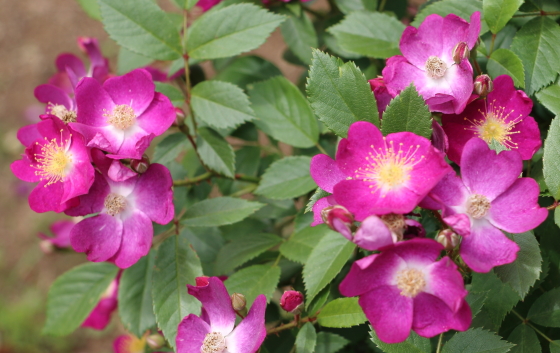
(100, 316)
(59, 103)
(59, 162)
(379, 175)
(376, 232)
(381, 93)
(503, 116)
(404, 288)
(124, 115)
(61, 231)
(490, 197)
(214, 330)
(292, 301)
(122, 231)
(427, 62)
(206, 5)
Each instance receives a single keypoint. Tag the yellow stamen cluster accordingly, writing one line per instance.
(435, 67)
(122, 117)
(214, 342)
(53, 161)
(114, 204)
(478, 206)
(411, 282)
(68, 116)
(496, 125)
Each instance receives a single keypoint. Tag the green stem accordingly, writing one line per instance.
(192, 181)
(277, 260)
(440, 341)
(289, 325)
(382, 5)
(245, 190)
(526, 322)
(538, 13)
(321, 149)
(492, 45)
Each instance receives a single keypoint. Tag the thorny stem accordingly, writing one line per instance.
(526, 322)
(440, 340)
(289, 325)
(538, 13)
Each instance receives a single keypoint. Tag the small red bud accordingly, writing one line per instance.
(202, 281)
(336, 216)
(292, 301)
(483, 85)
(460, 52)
(448, 239)
(155, 341)
(238, 302)
(140, 165)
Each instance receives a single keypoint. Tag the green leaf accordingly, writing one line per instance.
(476, 301)
(342, 312)
(555, 347)
(230, 31)
(173, 93)
(545, 310)
(407, 112)
(318, 194)
(497, 13)
(219, 211)
(550, 98)
(284, 112)
(505, 62)
(136, 309)
(526, 340)
(300, 36)
(221, 104)
(247, 69)
(216, 152)
(328, 342)
(300, 245)
(185, 4)
(339, 93)
(287, 178)
(372, 34)
(347, 6)
(318, 302)
(176, 265)
(91, 8)
(243, 249)
(476, 340)
(525, 270)
(537, 44)
(142, 27)
(551, 159)
(128, 61)
(461, 8)
(254, 280)
(74, 295)
(413, 344)
(306, 339)
(170, 147)
(325, 262)
(205, 241)
(500, 297)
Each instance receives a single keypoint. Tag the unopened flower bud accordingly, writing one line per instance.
(155, 341)
(483, 85)
(202, 281)
(140, 165)
(46, 246)
(238, 302)
(448, 238)
(338, 219)
(292, 301)
(179, 117)
(460, 52)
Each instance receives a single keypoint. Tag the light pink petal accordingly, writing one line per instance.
(317, 208)
(432, 316)
(158, 116)
(373, 234)
(389, 313)
(352, 151)
(99, 237)
(399, 74)
(134, 145)
(93, 101)
(118, 171)
(137, 234)
(250, 333)
(325, 172)
(154, 196)
(61, 231)
(486, 173)
(217, 303)
(418, 251)
(453, 30)
(417, 45)
(446, 283)
(134, 89)
(190, 334)
(487, 247)
(460, 223)
(474, 29)
(370, 272)
(517, 209)
(105, 138)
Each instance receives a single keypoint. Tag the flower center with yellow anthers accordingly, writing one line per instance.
(478, 206)
(114, 204)
(122, 117)
(395, 223)
(495, 126)
(411, 282)
(54, 161)
(214, 342)
(435, 67)
(60, 111)
(388, 168)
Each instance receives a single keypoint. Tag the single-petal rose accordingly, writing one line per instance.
(404, 288)
(124, 115)
(489, 197)
(503, 117)
(59, 162)
(100, 316)
(215, 332)
(427, 62)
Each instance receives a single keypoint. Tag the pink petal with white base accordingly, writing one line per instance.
(157, 198)
(325, 172)
(137, 234)
(432, 316)
(135, 89)
(373, 234)
(190, 334)
(446, 283)
(248, 336)
(99, 237)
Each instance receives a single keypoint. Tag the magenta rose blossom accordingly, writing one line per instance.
(428, 62)
(122, 231)
(214, 330)
(490, 197)
(124, 115)
(100, 316)
(404, 288)
(59, 162)
(380, 175)
(503, 116)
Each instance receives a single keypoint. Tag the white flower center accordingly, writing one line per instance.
(478, 206)
(60, 111)
(114, 204)
(435, 67)
(411, 282)
(122, 117)
(214, 342)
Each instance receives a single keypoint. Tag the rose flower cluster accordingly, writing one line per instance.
(377, 182)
